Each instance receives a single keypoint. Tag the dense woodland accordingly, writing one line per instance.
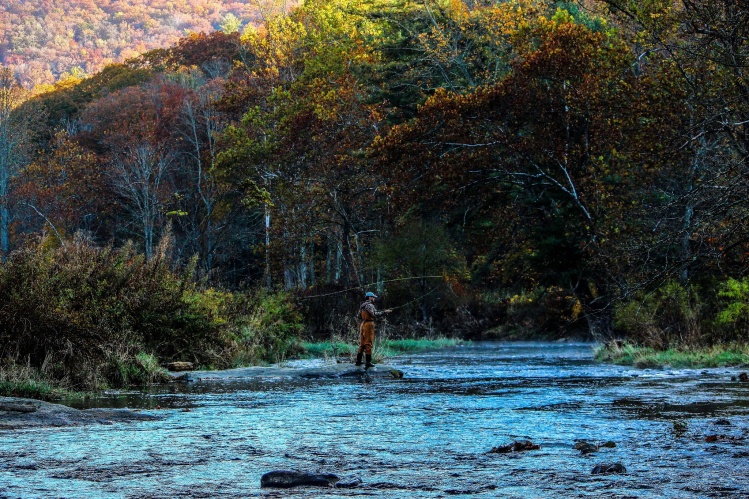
(493, 169)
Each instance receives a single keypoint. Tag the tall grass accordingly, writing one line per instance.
(18, 379)
(648, 357)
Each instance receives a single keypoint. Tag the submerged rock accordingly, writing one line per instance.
(743, 377)
(286, 479)
(723, 438)
(609, 444)
(608, 468)
(519, 446)
(26, 413)
(586, 447)
(723, 422)
(348, 484)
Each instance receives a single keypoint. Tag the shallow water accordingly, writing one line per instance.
(423, 436)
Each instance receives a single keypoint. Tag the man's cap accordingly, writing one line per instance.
(369, 293)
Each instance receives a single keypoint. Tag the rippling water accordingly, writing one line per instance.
(424, 436)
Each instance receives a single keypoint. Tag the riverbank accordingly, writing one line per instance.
(644, 357)
(23, 381)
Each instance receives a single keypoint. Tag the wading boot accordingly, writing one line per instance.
(358, 359)
(369, 362)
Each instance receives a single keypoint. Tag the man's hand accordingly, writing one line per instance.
(387, 311)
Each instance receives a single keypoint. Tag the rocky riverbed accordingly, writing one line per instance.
(566, 427)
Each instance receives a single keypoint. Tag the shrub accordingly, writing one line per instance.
(88, 312)
(732, 319)
(670, 316)
(266, 327)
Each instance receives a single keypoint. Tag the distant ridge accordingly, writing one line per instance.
(41, 40)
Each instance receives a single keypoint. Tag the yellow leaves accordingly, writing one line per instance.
(562, 16)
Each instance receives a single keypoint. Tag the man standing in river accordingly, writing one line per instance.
(367, 314)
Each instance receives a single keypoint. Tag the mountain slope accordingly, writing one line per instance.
(43, 39)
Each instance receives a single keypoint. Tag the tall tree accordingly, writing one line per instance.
(15, 141)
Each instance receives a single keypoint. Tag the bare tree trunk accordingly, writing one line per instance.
(303, 266)
(267, 247)
(4, 223)
(138, 173)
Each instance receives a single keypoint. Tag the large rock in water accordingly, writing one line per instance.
(285, 479)
(328, 371)
(608, 468)
(519, 446)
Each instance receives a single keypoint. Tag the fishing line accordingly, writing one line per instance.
(416, 299)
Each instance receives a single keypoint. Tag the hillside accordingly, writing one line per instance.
(41, 39)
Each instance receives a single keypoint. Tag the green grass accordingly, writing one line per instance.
(31, 389)
(327, 349)
(644, 357)
(382, 349)
(389, 348)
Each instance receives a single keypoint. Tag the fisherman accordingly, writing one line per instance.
(367, 314)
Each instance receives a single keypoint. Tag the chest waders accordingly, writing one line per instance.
(366, 337)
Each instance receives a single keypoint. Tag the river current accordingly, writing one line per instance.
(679, 433)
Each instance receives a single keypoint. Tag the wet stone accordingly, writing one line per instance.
(519, 446)
(286, 479)
(608, 468)
(586, 447)
(723, 422)
(348, 484)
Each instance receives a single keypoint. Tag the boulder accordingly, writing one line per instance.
(609, 444)
(348, 484)
(520, 445)
(586, 447)
(180, 366)
(285, 479)
(608, 468)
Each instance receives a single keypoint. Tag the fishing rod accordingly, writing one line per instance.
(359, 288)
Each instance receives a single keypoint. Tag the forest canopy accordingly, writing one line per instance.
(492, 167)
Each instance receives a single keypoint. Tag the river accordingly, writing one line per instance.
(426, 435)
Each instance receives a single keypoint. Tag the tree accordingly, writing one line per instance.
(564, 139)
(134, 126)
(230, 23)
(705, 45)
(15, 141)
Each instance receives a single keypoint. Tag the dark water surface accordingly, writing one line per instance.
(423, 436)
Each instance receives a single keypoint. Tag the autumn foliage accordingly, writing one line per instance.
(505, 167)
